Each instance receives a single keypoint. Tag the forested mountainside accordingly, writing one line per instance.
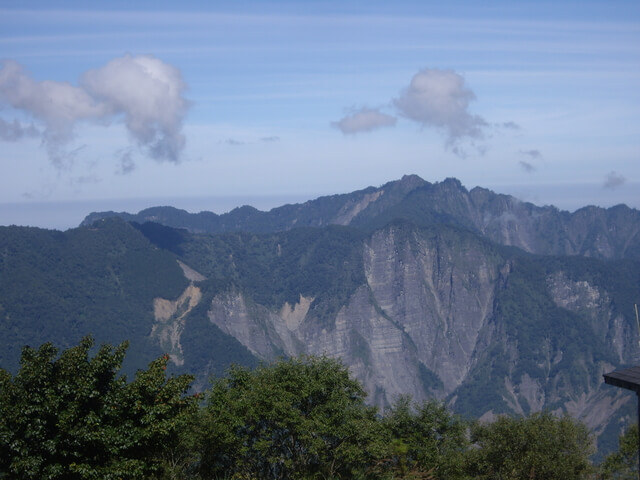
(503, 219)
(102, 280)
(414, 293)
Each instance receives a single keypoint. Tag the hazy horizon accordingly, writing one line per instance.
(63, 215)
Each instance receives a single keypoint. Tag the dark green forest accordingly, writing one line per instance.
(60, 286)
(73, 415)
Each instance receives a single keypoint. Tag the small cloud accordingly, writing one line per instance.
(270, 139)
(440, 99)
(127, 165)
(510, 125)
(531, 153)
(14, 131)
(85, 179)
(80, 182)
(614, 180)
(64, 158)
(364, 120)
(234, 142)
(527, 167)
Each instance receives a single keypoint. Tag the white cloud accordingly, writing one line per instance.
(440, 98)
(57, 105)
(532, 153)
(147, 91)
(614, 180)
(364, 120)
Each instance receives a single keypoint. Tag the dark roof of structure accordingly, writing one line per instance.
(628, 378)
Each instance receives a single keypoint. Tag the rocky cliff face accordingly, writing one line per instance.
(426, 322)
(590, 231)
(413, 327)
(594, 305)
(439, 291)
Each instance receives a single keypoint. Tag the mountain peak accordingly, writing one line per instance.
(453, 182)
(411, 179)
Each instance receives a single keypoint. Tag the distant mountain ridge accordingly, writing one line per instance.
(590, 231)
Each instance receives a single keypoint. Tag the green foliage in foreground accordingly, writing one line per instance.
(623, 464)
(538, 447)
(426, 438)
(299, 418)
(71, 416)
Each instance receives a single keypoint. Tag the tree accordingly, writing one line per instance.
(73, 417)
(540, 446)
(425, 438)
(623, 464)
(298, 418)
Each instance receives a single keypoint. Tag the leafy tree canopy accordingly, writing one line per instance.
(540, 446)
(71, 416)
(426, 438)
(623, 464)
(298, 418)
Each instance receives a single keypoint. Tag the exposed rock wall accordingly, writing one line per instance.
(170, 317)
(425, 320)
(438, 292)
(426, 302)
(594, 304)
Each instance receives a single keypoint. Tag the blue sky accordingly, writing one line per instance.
(122, 105)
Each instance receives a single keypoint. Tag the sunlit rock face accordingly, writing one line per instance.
(427, 322)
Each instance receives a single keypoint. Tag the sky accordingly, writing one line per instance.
(212, 105)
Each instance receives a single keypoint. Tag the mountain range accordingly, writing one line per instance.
(489, 303)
